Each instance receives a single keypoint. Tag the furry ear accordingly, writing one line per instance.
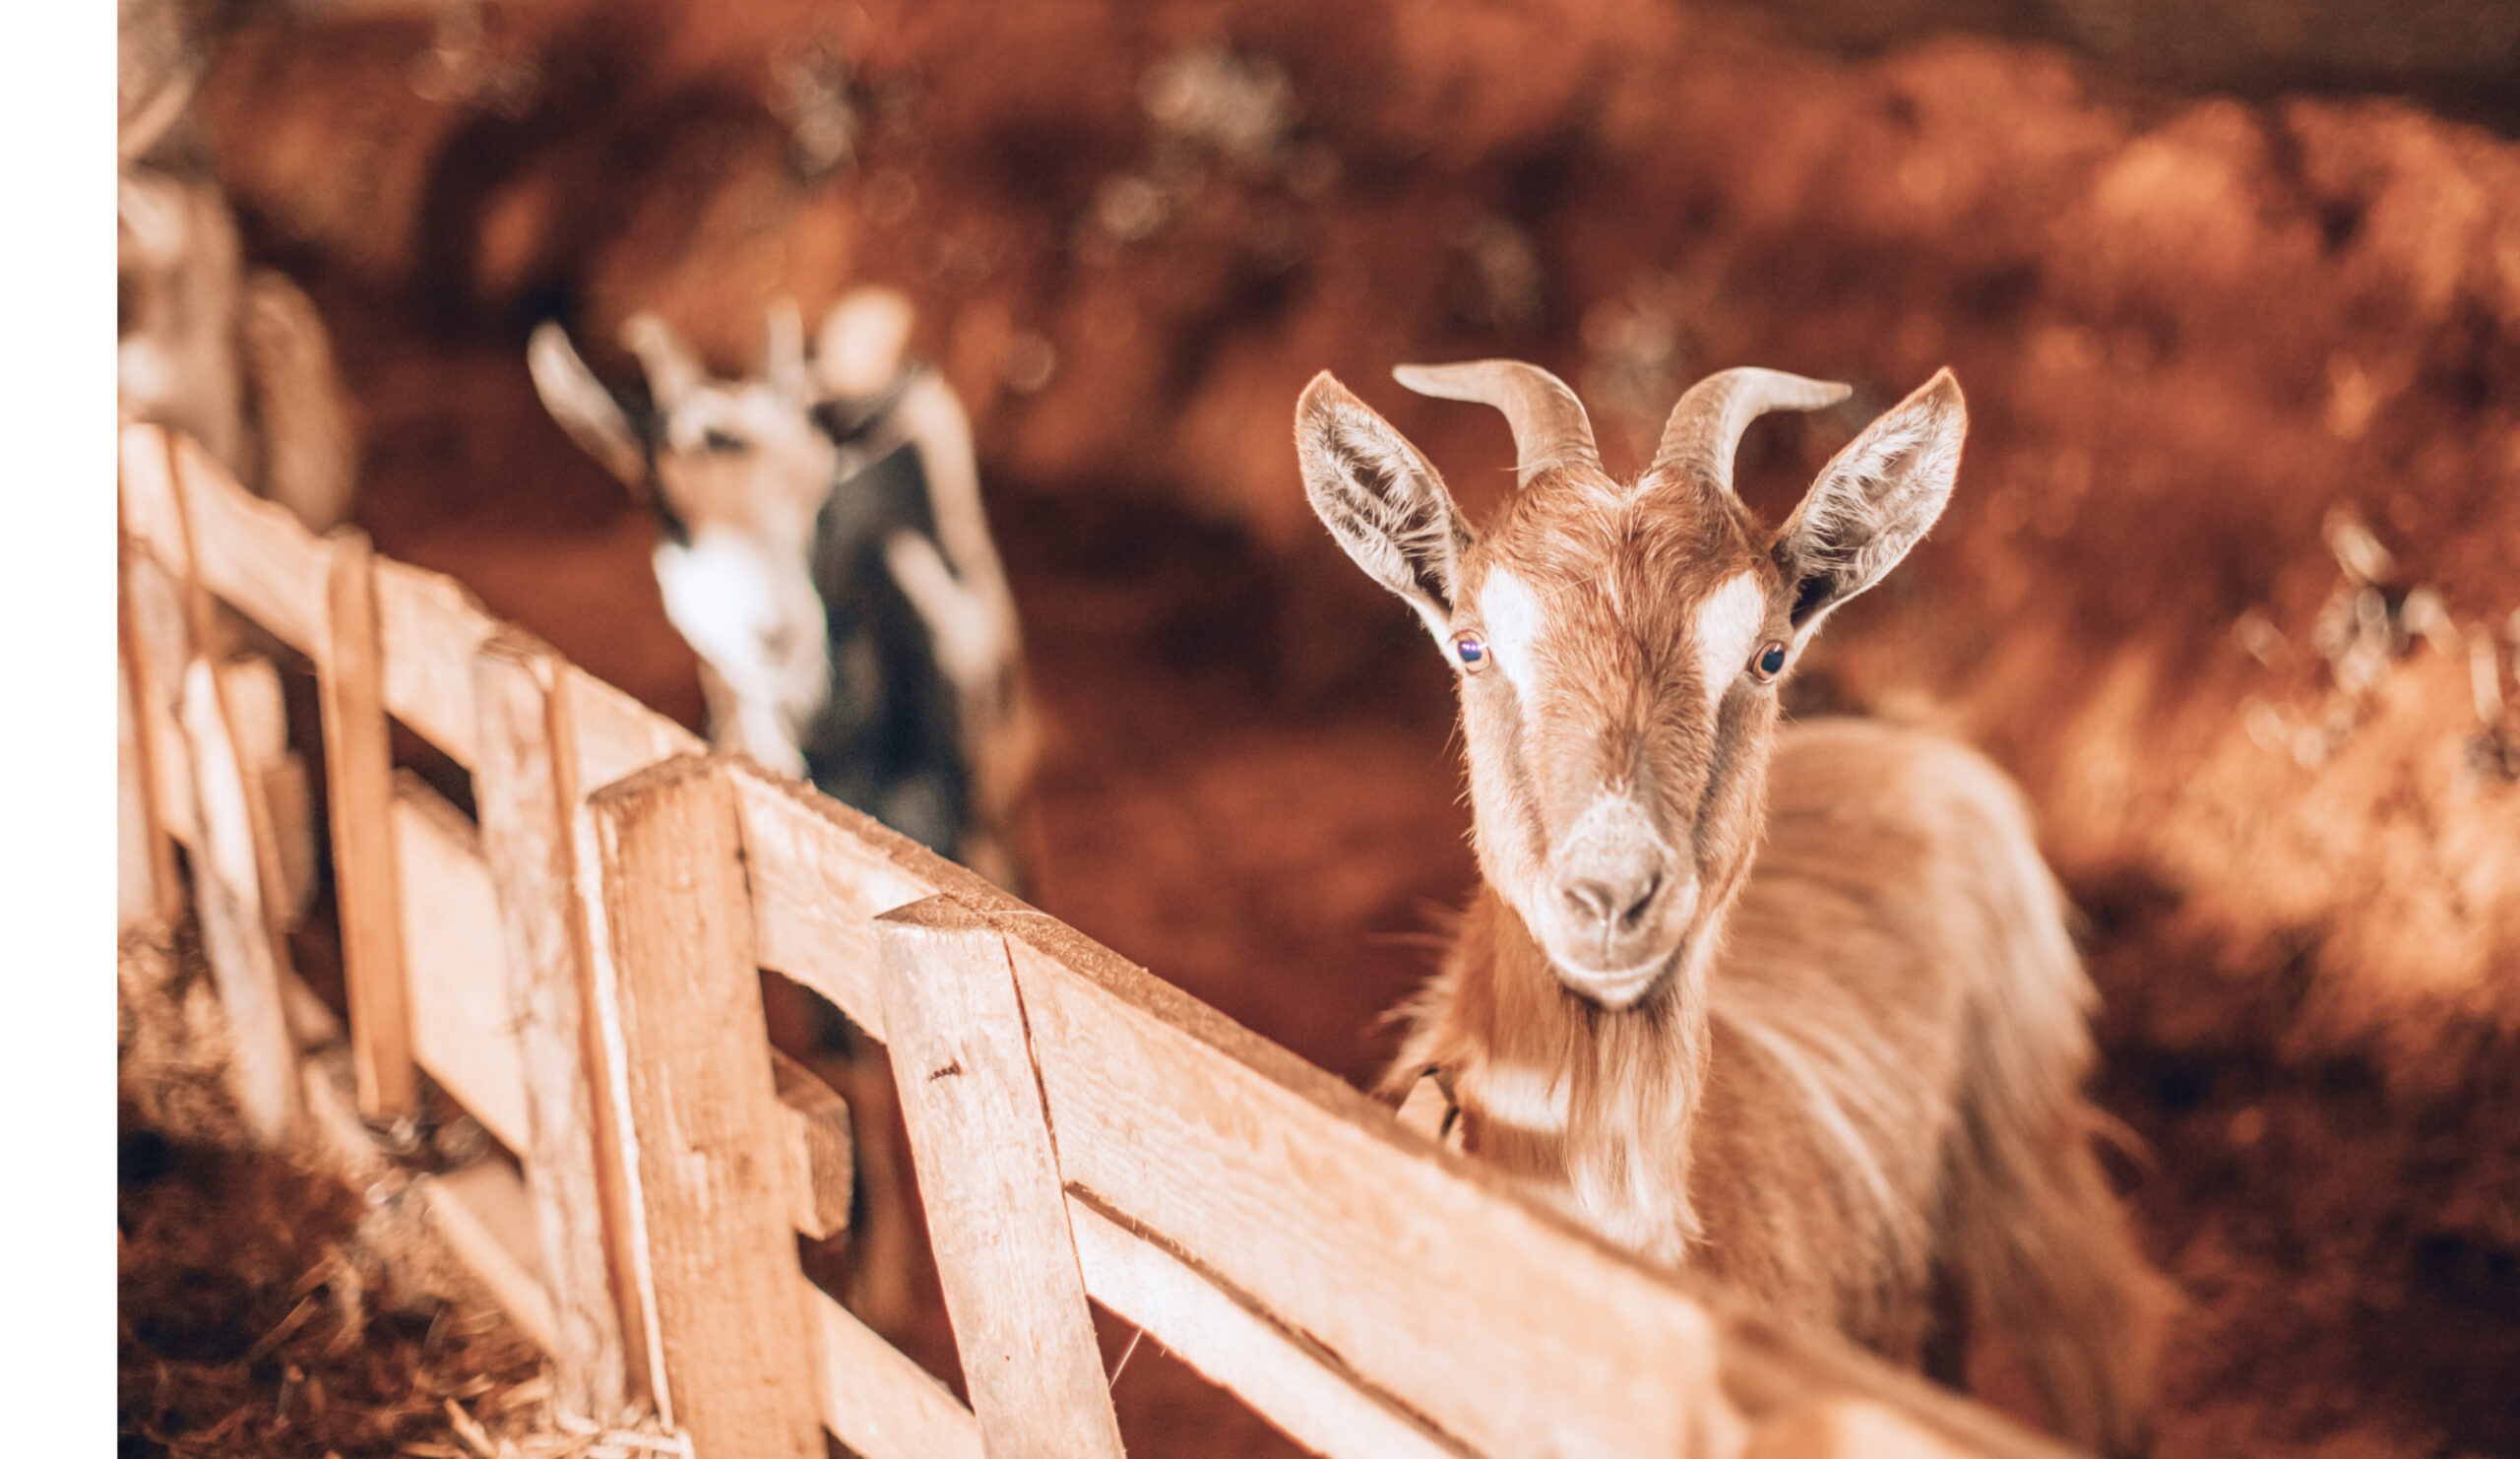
(1381, 499)
(1872, 502)
(584, 407)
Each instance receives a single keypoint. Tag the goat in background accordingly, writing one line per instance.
(822, 546)
(238, 358)
(1796, 1008)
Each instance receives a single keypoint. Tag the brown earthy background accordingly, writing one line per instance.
(2232, 581)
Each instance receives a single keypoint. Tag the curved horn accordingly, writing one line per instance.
(673, 371)
(1707, 425)
(1549, 426)
(783, 351)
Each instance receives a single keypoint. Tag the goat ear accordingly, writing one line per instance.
(1381, 499)
(584, 407)
(1872, 502)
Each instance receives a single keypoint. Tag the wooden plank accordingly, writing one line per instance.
(712, 1189)
(821, 1153)
(819, 869)
(463, 1031)
(145, 468)
(252, 553)
(996, 1216)
(233, 853)
(526, 787)
(607, 730)
(1511, 1332)
(148, 831)
(615, 734)
(878, 1402)
(358, 762)
(428, 627)
(1845, 1429)
(483, 1212)
(1310, 1397)
(235, 934)
(137, 837)
(160, 646)
(821, 872)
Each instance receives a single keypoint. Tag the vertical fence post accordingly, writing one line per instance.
(996, 1209)
(238, 935)
(524, 782)
(708, 1162)
(358, 773)
(141, 677)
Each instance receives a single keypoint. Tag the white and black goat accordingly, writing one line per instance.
(822, 546)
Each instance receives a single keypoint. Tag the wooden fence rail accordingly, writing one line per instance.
(577, 970)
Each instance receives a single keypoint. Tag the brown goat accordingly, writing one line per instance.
(1796, 1008)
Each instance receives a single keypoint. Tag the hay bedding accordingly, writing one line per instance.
(270, 1307)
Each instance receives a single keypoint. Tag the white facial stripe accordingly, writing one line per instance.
(758, 621)
(1725, 622)
(1510, 612)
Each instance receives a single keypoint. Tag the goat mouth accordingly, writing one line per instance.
(1616, 989)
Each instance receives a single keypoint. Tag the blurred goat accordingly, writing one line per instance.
(237, 358)
(1837, 1068)
(821, 544)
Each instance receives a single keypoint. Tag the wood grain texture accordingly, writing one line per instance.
(821, 872)
(712, 1187)
(880, 1403)
(611, 733)
(821, 1151)
(142, 662)
(1308, 1395)
(1508, 1332)
(481, 1213)
(430, 626)
(358, 763)
(244, 958)
(137, 872)
(160, 646)
(252, 553)
(996, 1214)
(464, 1029)
(524, 782)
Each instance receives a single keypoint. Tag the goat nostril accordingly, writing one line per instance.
(1621, 907)
(1635, 911)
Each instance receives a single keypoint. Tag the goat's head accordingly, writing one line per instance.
(1620, 645)
(738, 473)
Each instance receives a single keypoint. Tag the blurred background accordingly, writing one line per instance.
(2230, 582)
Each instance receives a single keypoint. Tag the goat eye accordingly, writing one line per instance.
(1770, 662)
(1469, 649)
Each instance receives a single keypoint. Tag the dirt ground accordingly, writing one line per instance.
(2232, 581)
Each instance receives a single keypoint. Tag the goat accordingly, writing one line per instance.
(1795, 1008)
(822, 546)
(237, 357)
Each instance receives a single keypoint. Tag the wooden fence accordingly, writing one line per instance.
(577, 967)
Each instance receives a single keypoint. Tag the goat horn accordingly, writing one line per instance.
(1549, 426)
(783, 351)
(1707, 425)
(673, 371)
